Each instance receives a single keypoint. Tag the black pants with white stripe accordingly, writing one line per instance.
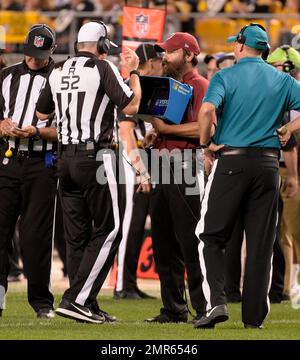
(28, 189)
(127, 270)
(233, 268)
(233, 264)
(136, 211)
(174, 215)
(91, 209)
(247, 184)
(141, 203)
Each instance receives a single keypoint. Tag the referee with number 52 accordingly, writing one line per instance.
(83, 91)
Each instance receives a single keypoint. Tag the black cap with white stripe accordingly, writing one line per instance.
(146, 51)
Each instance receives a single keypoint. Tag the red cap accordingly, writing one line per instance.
(179, 40)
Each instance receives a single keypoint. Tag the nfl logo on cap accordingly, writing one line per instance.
(38, 41)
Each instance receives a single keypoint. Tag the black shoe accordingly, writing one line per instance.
(45, 313)
(215, 315)
(1, 312)
(248, 326)
(167, 317)
(196, 318)
(108, 318)
(95, 309)
(143, 295)
(127, 294)
(78, 312)
(118, 295)
(286, 297)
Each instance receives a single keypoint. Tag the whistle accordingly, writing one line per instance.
(8, 153)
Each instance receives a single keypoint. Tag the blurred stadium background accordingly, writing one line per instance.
(212, 21)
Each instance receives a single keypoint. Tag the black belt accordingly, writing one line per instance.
(255, 152)
(26, 153)
(87, 147)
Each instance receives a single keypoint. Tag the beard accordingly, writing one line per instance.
(174, 69)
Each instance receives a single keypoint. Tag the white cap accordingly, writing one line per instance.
(92, 31)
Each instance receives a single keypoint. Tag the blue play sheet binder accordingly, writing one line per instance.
(165, 98)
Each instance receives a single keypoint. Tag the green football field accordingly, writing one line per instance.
(19, 322)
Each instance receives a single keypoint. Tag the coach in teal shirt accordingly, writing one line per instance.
(250, 99)
(250, 118)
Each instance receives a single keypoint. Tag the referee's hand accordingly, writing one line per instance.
(290, 186)
(214, 147)
(130, 60)
(24, 133)
(284, 135)
(7, 127)
(145, 183)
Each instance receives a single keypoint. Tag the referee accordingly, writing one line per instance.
(245, 177)
(83, 91)
(27, 177)
(132, 132)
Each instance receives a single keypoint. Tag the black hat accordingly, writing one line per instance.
(216, 56)
(146, 51)
(39, 42)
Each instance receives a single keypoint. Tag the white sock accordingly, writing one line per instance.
(295, 273)
(2, 297)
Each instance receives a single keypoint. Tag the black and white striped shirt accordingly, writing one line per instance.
(83, 91)
(20, 88)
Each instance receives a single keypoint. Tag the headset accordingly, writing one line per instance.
(103, 43)
(288, 66)
(241, 38)
(49, 30)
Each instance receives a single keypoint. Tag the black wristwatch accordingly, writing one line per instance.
(204, 146)
(136, 72)
(37, 135)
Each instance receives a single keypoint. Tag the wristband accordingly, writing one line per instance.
(205, 146)
(37, 135)
(142, 173)
(136, 72)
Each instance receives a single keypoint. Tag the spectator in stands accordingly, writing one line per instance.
(184, 22)
(10, 5)
(213, 6)
(211, 62)
(256, 6)
(80, 5)
(65, 18)
(38, 5)
(112, 17)
(217, 62)
(292, 6)
(185, 8)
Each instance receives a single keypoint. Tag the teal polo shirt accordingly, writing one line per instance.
(251, 97)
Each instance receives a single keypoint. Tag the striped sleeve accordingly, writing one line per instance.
(45, 103)
(2, 102)
(115, 88)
